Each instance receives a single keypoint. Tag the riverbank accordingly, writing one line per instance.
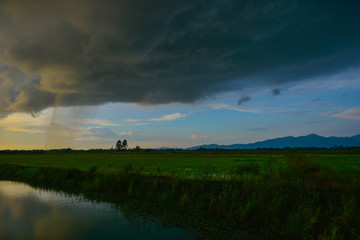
(302, 201)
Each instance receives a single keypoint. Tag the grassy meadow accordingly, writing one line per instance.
(218, 195)
(176, 164)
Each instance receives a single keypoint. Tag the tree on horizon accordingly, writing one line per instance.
(118, 146)
(124, 144)
(121, 145)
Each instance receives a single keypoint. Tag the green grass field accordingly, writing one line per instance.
(173, 162)
(189, 164)
(343, 164)
(262, 194)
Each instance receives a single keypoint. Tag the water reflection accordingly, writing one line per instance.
(28, 213)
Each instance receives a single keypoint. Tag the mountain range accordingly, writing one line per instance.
(308, 141)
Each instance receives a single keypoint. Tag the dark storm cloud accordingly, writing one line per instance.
(276, 92)
(70, 53)
(242, 99)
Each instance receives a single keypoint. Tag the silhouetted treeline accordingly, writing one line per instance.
(100, 150)
(22, 151)
(202, 149)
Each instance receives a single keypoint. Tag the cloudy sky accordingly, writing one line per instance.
(83, 74)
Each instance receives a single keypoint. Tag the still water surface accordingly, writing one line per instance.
(29, 213)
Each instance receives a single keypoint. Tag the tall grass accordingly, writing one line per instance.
(300, 200)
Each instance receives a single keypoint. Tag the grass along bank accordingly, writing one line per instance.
(300, 200)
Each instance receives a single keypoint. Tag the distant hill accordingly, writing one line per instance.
(309, 141)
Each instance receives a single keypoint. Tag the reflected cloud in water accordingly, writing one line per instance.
(28, 213)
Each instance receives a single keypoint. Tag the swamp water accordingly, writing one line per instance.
(29, 213)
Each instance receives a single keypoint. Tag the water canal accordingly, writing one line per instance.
(29, 213)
